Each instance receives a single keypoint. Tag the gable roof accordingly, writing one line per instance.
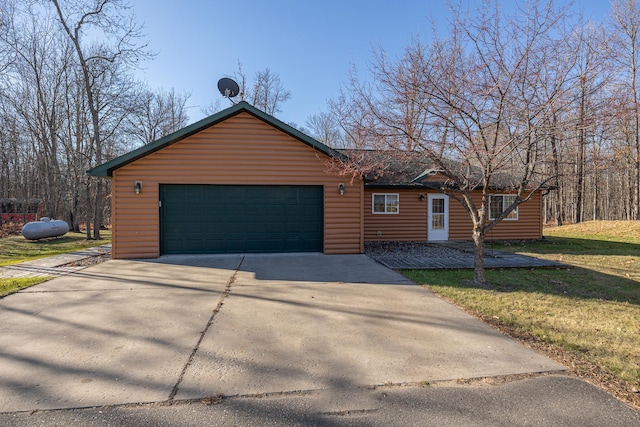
(106, 169)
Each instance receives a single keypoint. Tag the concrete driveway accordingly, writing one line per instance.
(188, 327)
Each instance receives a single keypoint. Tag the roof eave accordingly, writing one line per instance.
(400, 185)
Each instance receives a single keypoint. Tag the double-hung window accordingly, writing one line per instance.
(386, 203)
(498, 203)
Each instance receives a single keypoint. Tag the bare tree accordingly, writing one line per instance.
(265, 92)
(212, 108)
(472, 105)
(591, 74)
(326, 129)
(109, 21)
(7, 13)
(158, 114)
(625, 16)
(268, 93)
(34, 90)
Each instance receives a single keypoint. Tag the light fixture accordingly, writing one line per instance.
(341, 189)
(137, 187)
(421, 197)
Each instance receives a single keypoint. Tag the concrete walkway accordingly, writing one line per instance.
(53, 266)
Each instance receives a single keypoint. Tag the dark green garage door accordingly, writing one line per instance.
(240, 218)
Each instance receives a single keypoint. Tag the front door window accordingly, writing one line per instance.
(437, 214)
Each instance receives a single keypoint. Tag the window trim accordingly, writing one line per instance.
(513, 212)
(386, 212)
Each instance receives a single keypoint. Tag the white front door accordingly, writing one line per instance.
(438, 217)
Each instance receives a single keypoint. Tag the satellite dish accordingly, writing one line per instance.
(228, 87)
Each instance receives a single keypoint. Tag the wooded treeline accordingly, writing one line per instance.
(595, 139)
(596, 144)
(69, 101)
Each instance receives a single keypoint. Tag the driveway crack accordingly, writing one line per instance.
(216, 310)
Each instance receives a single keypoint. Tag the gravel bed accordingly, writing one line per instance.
(413, 249)
(86, 262)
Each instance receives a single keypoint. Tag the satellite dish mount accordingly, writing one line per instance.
(228, 88)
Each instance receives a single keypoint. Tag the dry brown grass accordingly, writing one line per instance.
(586, 316)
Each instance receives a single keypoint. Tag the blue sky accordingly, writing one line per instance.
(310, 44)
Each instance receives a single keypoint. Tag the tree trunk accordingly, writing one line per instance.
(637, 183)
(582, 142)
(97, 217)
(478, 257)
(595, 195)
(630, 190)
(74, 36)
(75, 212)
(556, 173)
(634, 212)
(88, 204)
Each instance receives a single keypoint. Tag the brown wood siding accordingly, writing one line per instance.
(239, 150)
(436, 177)
(410, 224)
(528, 226)
(460, 225)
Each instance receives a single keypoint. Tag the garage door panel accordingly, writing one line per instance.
(276, 228)
(215, 245)
(228, 219)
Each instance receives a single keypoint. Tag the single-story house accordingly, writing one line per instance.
(242, 181)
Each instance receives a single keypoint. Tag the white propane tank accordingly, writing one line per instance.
(44, 228)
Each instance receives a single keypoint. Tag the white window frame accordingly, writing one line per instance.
(513, 215)
(386, 204)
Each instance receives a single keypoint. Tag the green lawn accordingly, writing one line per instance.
(590, 311)
(17, 249)
(9, 286)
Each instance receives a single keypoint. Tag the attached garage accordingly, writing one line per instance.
(240, 218)
(239, 181)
